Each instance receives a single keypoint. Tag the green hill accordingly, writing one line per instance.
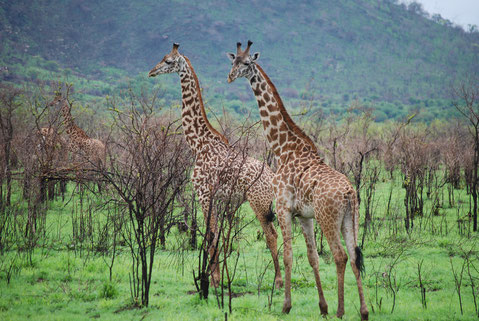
(331, 52)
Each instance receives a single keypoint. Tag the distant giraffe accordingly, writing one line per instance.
(216, 160)
(53, 155)
(304, 186)
(54, 146)
(89, 151)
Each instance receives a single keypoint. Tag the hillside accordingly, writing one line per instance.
(387, 55)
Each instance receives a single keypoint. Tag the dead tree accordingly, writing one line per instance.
(147, 170)
(9, 103)
(467, 103)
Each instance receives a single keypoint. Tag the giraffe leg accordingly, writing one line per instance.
(212, 238)
(271, 238)
(271, 241)
(284, 218)
(351, 244)
(308, 232)
(213, 253)
(340, 259)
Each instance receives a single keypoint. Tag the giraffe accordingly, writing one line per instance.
(89, 150)
(53, 145)
(214, 155)
(304, 186)
(53, 154)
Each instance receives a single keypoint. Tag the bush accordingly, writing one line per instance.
(51, 65)
(109, 290)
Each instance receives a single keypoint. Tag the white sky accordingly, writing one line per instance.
(461, 12)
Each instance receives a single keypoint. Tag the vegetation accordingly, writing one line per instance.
(380, 87)
(122, 252)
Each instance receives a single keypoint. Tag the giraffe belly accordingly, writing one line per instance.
(306, 211)
(234, 196)
(300, 208)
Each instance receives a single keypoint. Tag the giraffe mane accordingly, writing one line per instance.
(202, 107)
(77, 129)
(287, 119)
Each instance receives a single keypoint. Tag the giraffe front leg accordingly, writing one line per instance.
(284, 219)
(212, 241)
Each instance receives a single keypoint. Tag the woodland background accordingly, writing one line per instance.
(388, 92)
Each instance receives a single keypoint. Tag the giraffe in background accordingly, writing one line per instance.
(54, 146)
(304, 187)
(216, 160)
(89, 151)
(53, 155)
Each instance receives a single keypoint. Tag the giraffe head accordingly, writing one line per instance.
(171, 63)
(61, 103)
(242, 62)
(56, 100)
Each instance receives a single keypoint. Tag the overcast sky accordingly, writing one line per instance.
(462, 12)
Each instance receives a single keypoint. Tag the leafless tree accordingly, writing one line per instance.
(362, 145)
(9, 103)
(467, 103)
(147, 170)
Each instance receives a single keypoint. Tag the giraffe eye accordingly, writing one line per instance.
(168, 62)
(246, 63)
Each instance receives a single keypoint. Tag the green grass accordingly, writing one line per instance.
(63, 284)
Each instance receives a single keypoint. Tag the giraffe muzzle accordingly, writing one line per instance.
(152, 73)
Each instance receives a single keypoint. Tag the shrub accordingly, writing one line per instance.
(109, 290)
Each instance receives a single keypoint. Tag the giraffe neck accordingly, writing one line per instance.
(196, 127)
(67, 118)
(72, 130)
(283, 135)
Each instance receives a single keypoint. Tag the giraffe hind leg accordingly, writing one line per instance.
(264, 215)
(308, 232)
(331, 227)
(356, 259)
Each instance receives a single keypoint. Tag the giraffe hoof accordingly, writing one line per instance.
(340, 314)
(278, 283)
(365, 315)
(214, 281)
(286, 308)
(324, 309)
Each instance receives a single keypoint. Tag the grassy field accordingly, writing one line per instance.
(63, 281)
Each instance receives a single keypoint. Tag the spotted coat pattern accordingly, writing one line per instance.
(220, 171)
(304, 186)
(53, 147)
(89, 151)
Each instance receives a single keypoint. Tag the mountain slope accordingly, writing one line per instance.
(333, 50)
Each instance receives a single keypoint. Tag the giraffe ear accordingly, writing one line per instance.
(231, 56)
(255, 56)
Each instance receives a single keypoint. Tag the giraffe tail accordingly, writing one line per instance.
(270, 216)
(359, 260)
(353, 210)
